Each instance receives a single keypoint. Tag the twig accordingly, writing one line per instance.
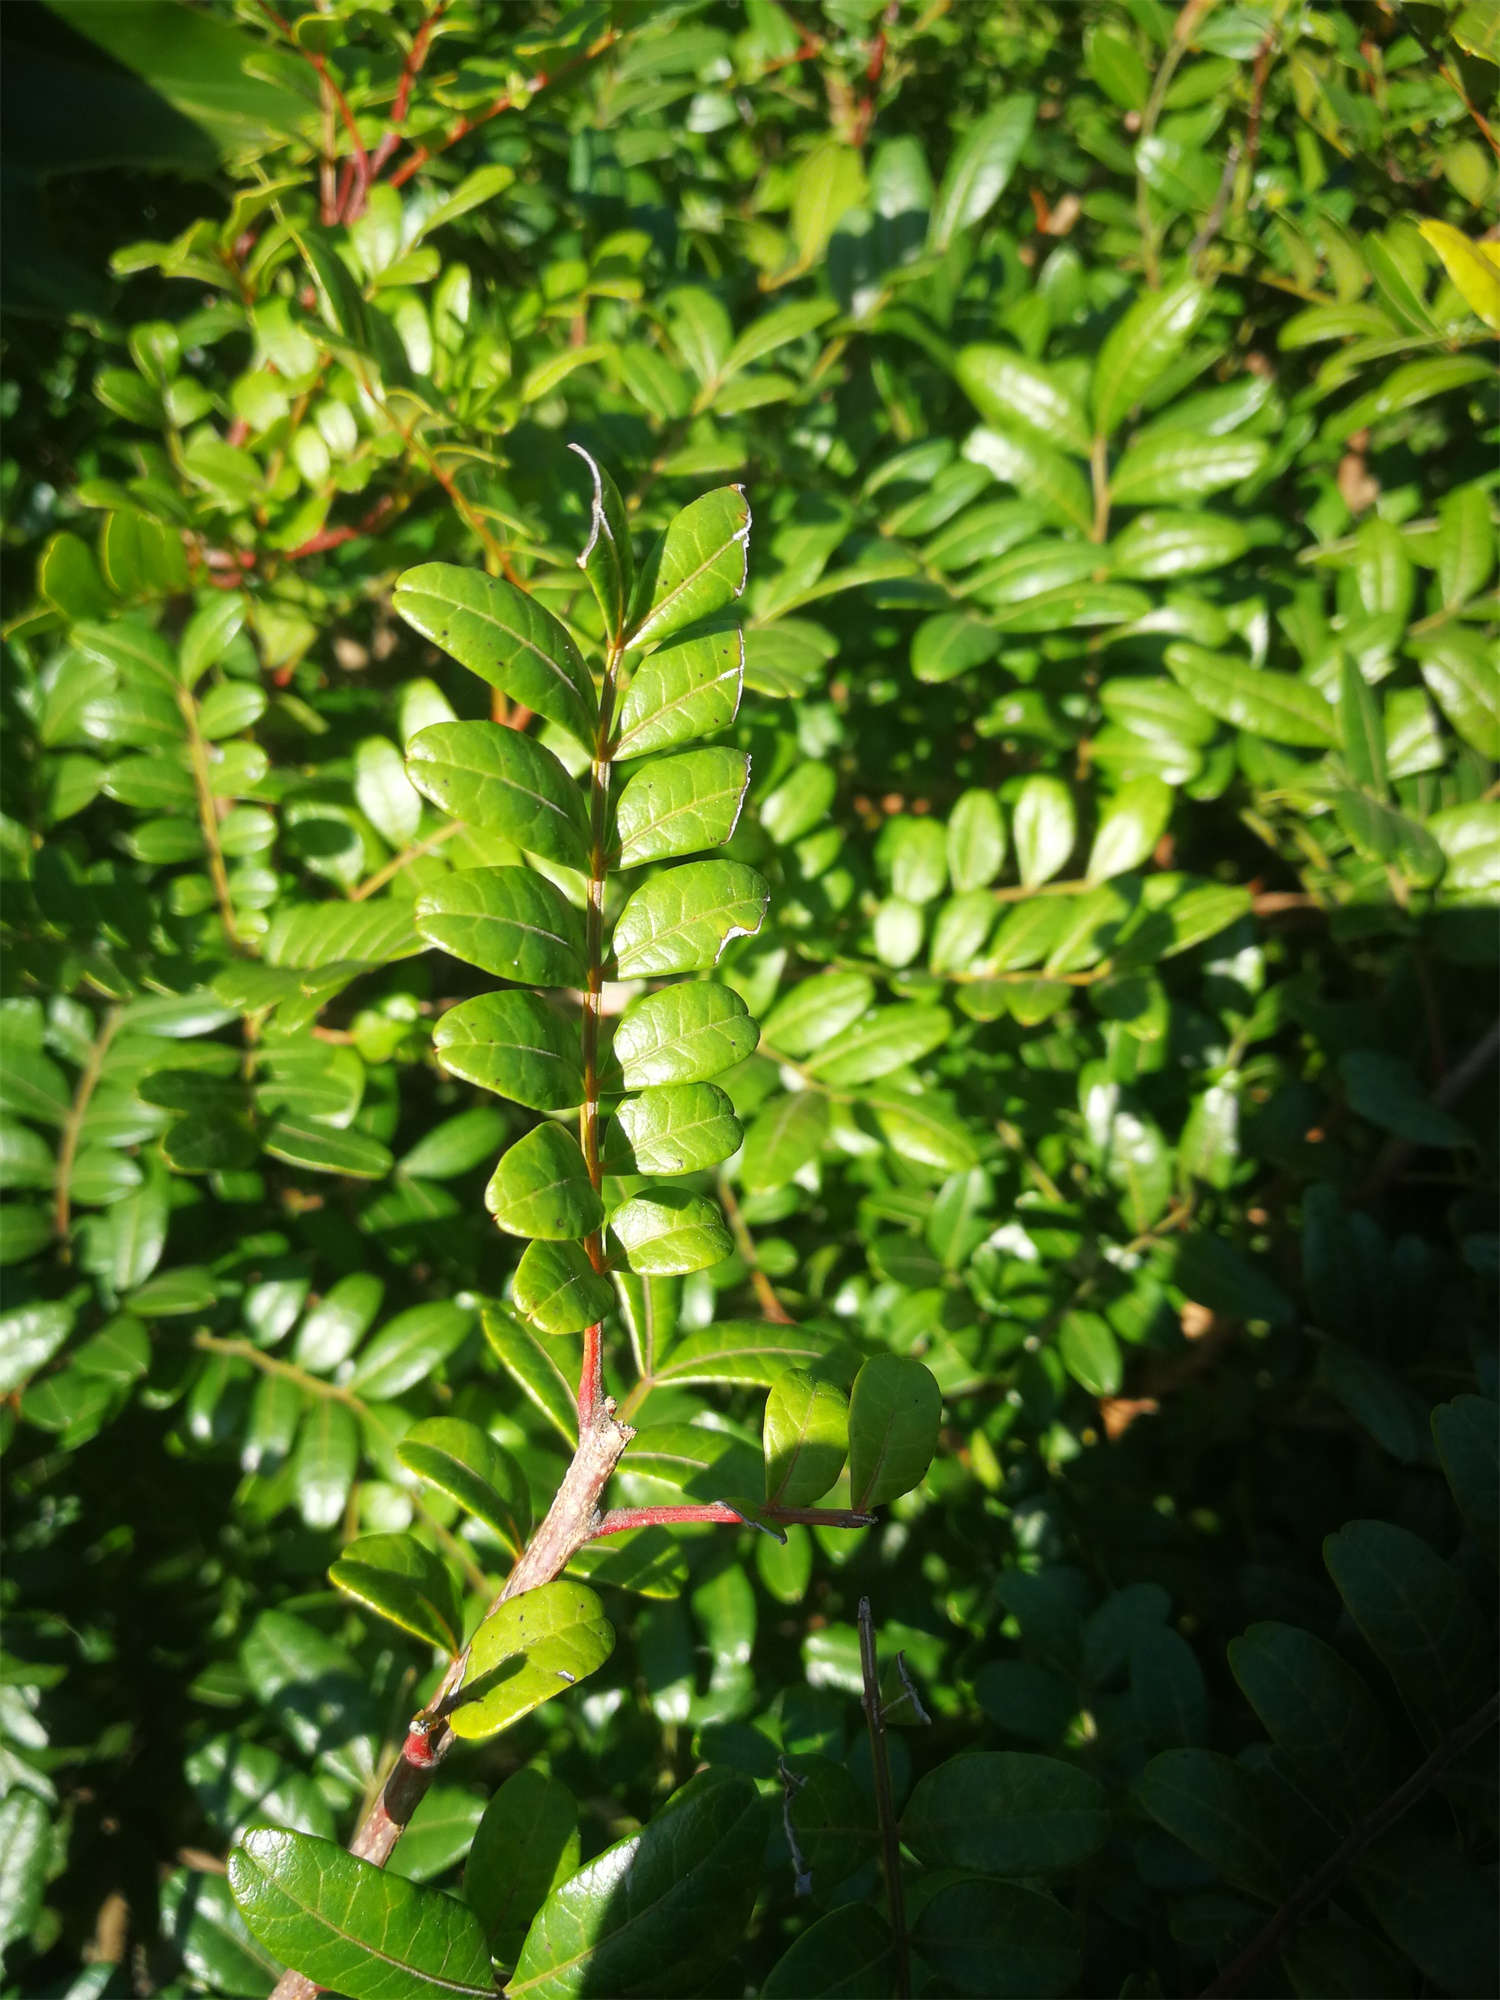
(208, 817)
(1369, 1829)
(416, 55)
(1450, 77)
(67, 1152)
(402, 860)
(885, 1805)
(770, 1306)
(719, 1513)
(507, 101)
(331, 1392)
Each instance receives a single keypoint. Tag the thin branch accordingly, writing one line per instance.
(507, 101)
(1369, 1829)
(770, 1306)
(416, 55)
(330, 1392)
(404, 859)
(885, 1804)
(719, 1513)
(208, 814)
(67, 1152)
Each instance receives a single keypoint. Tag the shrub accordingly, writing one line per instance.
(961, 1457)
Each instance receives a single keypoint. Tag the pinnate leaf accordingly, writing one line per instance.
(681, 921)
(505, 637)
(353, 1927)
(535, 1646)
(697, 568)
(405, 1582)
(503, 782)
(466, 1463)
(541, 1188)
(895, 1408)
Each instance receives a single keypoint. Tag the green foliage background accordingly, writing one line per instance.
(1123, 716)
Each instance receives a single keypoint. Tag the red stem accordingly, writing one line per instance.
(620, 1520)
(416, 56)
(422, 154)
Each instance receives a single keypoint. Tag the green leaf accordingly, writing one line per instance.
(817, 1011)
(29, 1337)
(1021, 460)
(1044, 828)
(846, 1955)
(1464, 681)
(785, 1136)
(665, 1232)
(1385, 1090)
(607, 559)
(1090, 1353)
(682, 1034)
(335, 1327)
(657, 1912)
(1159, 546)
(1006, 1812)
(1001, 1940)
(976, 840)
(409, 1348)
(705, 1464)
(535, 1369)
(745, 1352)
(1130, 825)
(683, 691)
(806, 1439)
(677, 805)
(980, 169)
(1214, 1273)
(895, 1409)
(463, 1461)
(200, 1922)
(828, 183)
(674, 1129)
(1416, 1616)
(1468, 1444)
(697, 568)
(1323, 1719)
(774, 329)
(949, 644)
(1361, 729)
(1008, 389)
(404, 1582)
(799, 804)
(352, 1926)
(25, 1862)
(525, 1846)
(535, 1646)
(558, 1289)
(1255, 699)
(456, 1145)
(325, 1462)
(884, 1041)
(1465, 546)
(505, 637)
(1221, 1811)
(503, 782)
(681, 921)
(1141, 347)
(208, 635)
(515, 1045)
(507, 921)
(541, 1188)
(1180, 465)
